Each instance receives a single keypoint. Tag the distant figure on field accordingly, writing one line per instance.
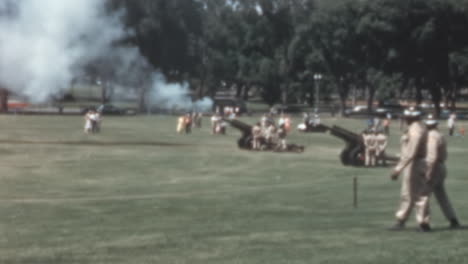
(180, 124)
(215, 119)
(282, 132)
(451, 123)
(256, 136)
(386, 126)
(88, 127)
(188, 123)
(382, 142)
(370, 144)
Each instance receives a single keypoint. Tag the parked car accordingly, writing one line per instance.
(109, 109)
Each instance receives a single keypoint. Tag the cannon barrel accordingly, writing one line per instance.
(246, 129)
(245, 142)
(346, 135)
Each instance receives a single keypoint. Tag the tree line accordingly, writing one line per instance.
(383, 48)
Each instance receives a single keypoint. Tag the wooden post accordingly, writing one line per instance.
(355, 190)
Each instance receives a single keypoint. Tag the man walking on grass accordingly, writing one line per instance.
(436, 173)
(412, 165)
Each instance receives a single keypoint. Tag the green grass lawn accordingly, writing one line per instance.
(139, 193)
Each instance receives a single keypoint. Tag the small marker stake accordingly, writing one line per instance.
(355, 186)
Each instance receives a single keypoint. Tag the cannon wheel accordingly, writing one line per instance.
(245, 142)
(344, 157)
(355, 156)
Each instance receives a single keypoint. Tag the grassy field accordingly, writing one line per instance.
(139, 193)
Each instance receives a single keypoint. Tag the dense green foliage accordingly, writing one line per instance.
(387, 48)
(139, 193)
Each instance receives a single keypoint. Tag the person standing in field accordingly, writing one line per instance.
(88, 127)
(282, 132)
(386, 126)
(435, 174)
(370, 144)
(413, 166)
(180, 124)
(381, 140)
(451, 123)
(256, 136)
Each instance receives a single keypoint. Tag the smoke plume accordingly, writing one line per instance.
(175, 96)
(45, 44)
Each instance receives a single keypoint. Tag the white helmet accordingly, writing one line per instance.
(412, 112)
(430, 120)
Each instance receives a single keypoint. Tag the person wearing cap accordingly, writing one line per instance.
(412, 166)
(436, 173)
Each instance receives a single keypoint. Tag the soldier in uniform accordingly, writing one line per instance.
(413, 166)
(282, 132)
(370, 144)
(436, 173)
(270, 135)
(381, 140)
(256, 136)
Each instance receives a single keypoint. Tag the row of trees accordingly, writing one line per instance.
(386, 47)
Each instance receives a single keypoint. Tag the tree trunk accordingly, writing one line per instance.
(246, 90)
(370, 99)
(141, 99)
(436, 98)
(4, 100)
(239, 88)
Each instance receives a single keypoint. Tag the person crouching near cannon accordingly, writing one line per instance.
(382, 142)
(256, 136)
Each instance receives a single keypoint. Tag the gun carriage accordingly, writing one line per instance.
(245, 141)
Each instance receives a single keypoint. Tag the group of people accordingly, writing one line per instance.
(186, 122)
(309, 121)
(266, 134)
(422, 163)
(218, 125)
(375, 143)
(92, 122)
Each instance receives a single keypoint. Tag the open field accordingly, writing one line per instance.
(139, 193)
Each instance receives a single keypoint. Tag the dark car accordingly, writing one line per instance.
(108, 109)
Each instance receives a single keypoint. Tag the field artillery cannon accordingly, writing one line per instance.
(354, 152)
(245, 141)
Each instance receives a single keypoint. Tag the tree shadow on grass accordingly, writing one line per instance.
(97, 143)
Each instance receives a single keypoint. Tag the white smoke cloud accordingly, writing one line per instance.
(44, 44)
(175, 96)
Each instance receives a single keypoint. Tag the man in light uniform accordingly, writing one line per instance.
(381, 140)
(412, 164)
(281, 144)
(436, 173)
(370, 144)
(256, 136)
